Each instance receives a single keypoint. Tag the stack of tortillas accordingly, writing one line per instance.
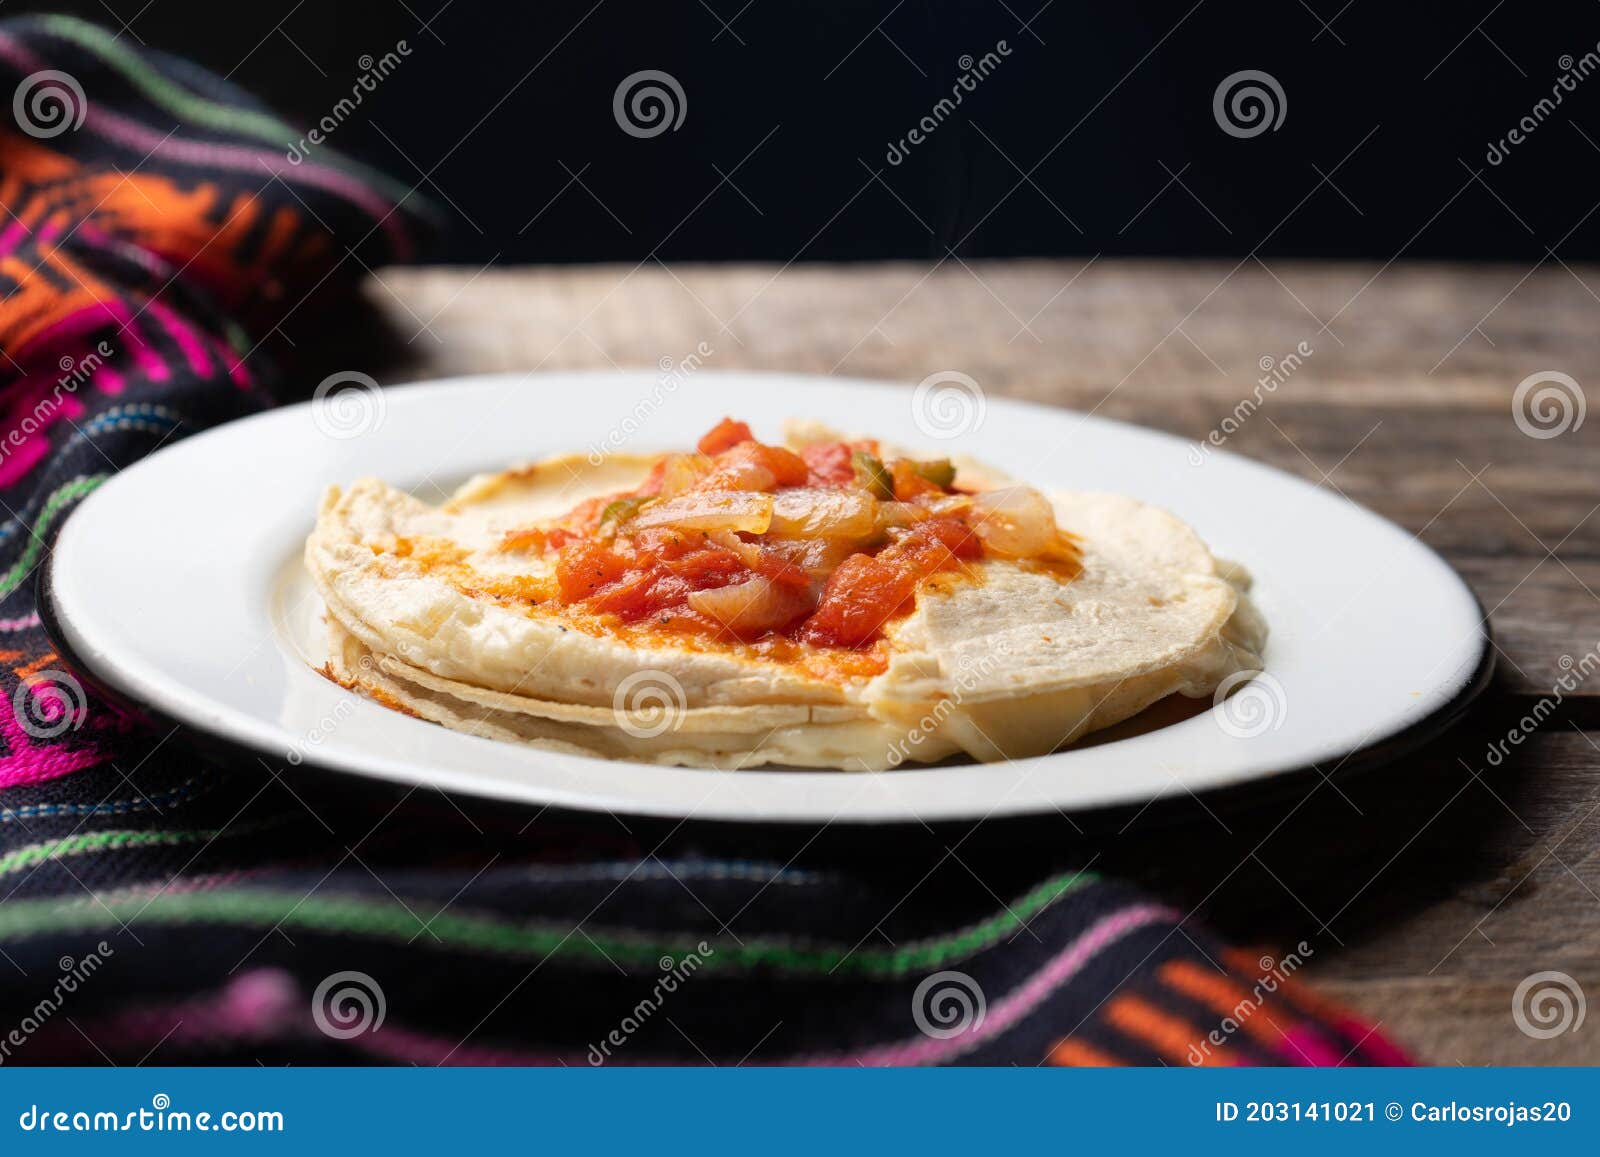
(1015, 664)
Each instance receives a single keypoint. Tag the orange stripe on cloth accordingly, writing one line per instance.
(280, 233)
(1306, 999)
(1173, 1038)
(27, 161)
(1075, 1053)
(1230, 999)
(27, 672)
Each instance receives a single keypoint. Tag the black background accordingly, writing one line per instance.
(1095, 135)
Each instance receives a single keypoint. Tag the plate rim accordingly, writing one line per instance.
(1380, 750)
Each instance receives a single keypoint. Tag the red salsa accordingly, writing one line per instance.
(821, 546)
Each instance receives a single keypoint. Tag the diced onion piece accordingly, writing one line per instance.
(949, 504)
(823, 512)
(739, 475)
(1017, 522)
(1064, 550)
(682, 473)
(818, 557)
(708, 510)
(900, 514)
(752, 606)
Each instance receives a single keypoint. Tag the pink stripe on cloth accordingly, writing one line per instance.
(108, 380)
(237, 370)
(1016, 1004)
(189, 342)
(266, 1004)
(13, 236)
(34, 405)
(14, 51)
(260, 1005)
(136, 136)
(74, 326)
(27, 761)
(24, 763)
(51, 228)
(400, 1044)
(1380, 1048)
(151, 364)
(1306, 1046)
(96, 316)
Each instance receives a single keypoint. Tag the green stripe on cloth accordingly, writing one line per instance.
(96, 842)
(68, 492)
(190, 107)
(478, 932)
(165, 92)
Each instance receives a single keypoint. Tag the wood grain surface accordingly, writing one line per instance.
(1425, 892)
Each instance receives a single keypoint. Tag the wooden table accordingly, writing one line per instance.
(1427, 891)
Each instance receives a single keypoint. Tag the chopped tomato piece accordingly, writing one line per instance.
(938, 539)
(909, 482)
(707, 568)
(855, 538)
(859, 598)
(829, 464)
(787, 467)
(584, 567)
(628, 596)
(780, 571)
(667, 541)
(725, 435)
(529, 538)
(754, 466)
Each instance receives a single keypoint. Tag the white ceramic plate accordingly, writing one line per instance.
(178, 583)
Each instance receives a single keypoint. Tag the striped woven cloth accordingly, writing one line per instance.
(159, 906)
